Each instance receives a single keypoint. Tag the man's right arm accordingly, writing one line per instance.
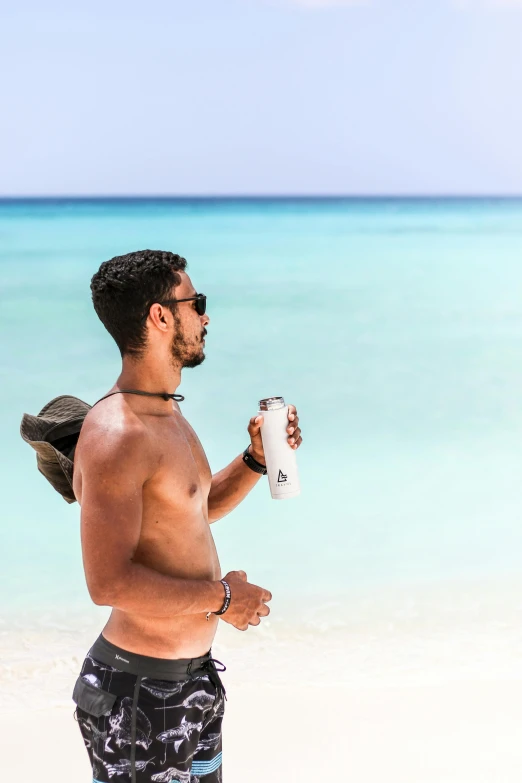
(114, 467)
(145, 591)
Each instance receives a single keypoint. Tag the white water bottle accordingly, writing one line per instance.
(281, 463)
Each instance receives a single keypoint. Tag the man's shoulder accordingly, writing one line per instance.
(112, 430)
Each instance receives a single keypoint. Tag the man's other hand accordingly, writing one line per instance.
(247, 601)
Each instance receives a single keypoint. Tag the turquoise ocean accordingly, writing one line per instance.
(394, 326)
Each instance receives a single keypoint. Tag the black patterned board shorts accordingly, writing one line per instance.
(150, 720)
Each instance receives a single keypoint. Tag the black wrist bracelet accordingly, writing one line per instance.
(228, 595)
(252, 463)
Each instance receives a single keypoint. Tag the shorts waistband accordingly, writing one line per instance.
(177, 669)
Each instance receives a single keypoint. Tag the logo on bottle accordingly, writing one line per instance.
(282, 476)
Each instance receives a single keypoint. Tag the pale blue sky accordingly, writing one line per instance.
(261, 97)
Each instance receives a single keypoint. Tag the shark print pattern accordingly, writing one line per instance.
(209, 743)
(121, 725)
(201, 700)
(179, 734)
(97, 735)
(171, 774)
(162, 689)
(219, 706)
(123, 767)
(177, 742)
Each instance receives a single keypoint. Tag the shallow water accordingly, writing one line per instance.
(395, 326)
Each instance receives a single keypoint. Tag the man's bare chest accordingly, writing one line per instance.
(183, 473)
(175, 527)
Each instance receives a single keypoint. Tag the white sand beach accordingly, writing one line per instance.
(421, 686)
(454, 733)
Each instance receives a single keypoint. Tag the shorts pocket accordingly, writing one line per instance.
(95, 701)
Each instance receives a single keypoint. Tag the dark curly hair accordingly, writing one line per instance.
(124, 288)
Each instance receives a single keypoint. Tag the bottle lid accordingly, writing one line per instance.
(271, 403)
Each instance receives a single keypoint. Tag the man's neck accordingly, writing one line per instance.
(149, 375)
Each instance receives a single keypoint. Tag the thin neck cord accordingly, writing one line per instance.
(164, 395)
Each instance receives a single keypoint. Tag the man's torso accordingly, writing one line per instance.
(175, 537)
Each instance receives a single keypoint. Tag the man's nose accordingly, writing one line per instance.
(205, 319)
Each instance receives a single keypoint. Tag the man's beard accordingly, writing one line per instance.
(184, 354)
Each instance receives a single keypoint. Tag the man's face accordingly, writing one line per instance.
(187, 347)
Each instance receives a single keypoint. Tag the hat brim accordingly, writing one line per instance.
(61, 419)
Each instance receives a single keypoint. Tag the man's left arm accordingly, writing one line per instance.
(232, 484)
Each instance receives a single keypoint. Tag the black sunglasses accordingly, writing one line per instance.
(200, 303)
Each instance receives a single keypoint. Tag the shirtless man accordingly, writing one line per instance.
(149, 699)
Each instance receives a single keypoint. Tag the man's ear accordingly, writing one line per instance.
(157, 314)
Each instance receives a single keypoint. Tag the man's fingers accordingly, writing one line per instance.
(267, 596)
(255, 621)
(264, 611)
(295, 435)
(292, 425)
(242, 575)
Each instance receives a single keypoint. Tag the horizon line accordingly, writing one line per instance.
(259, 197)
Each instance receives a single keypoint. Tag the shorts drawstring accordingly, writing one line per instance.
(133, 729)
(210, 667)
